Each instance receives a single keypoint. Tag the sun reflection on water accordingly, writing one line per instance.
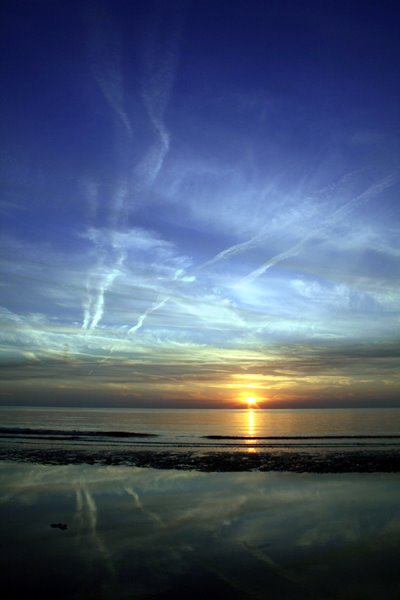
(251, 428)
(251, 422)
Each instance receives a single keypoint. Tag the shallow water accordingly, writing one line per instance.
(239, 428)
(143, 533)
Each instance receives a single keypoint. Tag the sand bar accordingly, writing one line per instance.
(326, 461)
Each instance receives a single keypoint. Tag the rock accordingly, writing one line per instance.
(62, 526)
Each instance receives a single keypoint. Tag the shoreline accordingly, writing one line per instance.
(334, 461)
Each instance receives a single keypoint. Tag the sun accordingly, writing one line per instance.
(250, 401)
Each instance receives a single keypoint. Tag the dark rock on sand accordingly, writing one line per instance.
(62, 526)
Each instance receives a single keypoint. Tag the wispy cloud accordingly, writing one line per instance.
(146, 313)
(328, 223)
(105, 56)
(160, 57)
(161, 48)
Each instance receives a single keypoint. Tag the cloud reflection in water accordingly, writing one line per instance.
(239, 533)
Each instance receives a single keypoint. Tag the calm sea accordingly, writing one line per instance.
(203, 428)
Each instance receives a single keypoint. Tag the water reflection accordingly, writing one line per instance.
(251, 429)
(251, 422)
(169, 534)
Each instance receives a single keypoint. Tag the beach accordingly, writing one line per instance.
(343, 461)
(313, 441)
(229, 504)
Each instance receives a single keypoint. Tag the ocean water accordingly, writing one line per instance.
(209, 428)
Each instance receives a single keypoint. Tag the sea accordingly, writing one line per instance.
(219, 429)
(99, 529)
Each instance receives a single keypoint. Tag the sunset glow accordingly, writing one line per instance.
(251, 401)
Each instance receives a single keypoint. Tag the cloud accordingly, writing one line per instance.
(160, 58)
(146, 313)
(261, 237)
(105, 57)
(160, 53)
(232, 251)
(328, 223)
(98, 284)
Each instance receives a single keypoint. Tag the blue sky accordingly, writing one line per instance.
(200, 202)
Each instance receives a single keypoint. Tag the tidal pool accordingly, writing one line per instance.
(147, 534)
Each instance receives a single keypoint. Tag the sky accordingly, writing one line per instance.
(200, 203)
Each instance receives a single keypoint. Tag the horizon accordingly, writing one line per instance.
(200, 205)
(238, 406)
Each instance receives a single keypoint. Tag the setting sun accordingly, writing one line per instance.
(251, 401)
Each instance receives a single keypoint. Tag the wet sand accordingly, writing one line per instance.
(310, 461)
